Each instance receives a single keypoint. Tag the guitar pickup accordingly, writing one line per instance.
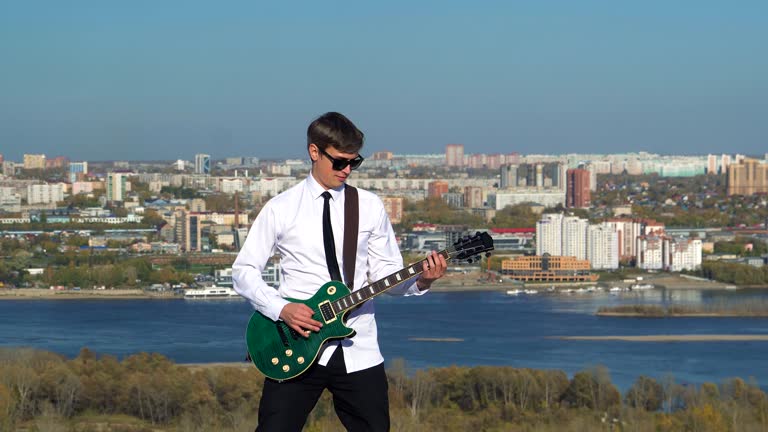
(327, 311)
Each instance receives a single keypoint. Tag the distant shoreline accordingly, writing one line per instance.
(681, 315)
(473, 282)
(669, 338)
(113, 294)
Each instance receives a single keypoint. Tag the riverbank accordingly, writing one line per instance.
(750, 309)
(114, 294)
(679, 315)
(669, 338)
(474, 282)
(680, 281)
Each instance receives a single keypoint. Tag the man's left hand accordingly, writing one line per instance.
(433, 268)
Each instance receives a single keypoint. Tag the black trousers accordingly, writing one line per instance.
(359, 398)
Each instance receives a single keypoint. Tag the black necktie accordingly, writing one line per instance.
(330, 245)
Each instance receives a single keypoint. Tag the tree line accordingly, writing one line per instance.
(146, 392)
(735, 273)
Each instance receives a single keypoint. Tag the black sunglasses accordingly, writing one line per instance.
(339, 163)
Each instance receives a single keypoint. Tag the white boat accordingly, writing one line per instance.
(514, 292)
(531, 291)
(642, 286)
(213, 292)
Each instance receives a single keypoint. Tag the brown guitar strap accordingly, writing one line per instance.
(351, 225)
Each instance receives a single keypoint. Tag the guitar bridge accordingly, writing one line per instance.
(327, 311)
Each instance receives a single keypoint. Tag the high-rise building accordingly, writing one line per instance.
(571, 236)
(476, 161)
(454, 199)
(436, 189)
(473, 197)
(34, 161)
(627, 231)
(574, 237)
(661, 252)
(549, 234)
(193, 232)
(684, 254)
(725, 160)
(196, 205)
(57, 162)
(454, 155)
(512, 158)
(539, 170)
(394, 208)
(650, 253)
(577, 193)
(9, 168)
(10, 200)
(711, 164)
(202, 163)
(494, 161)
(45, 193)
(748, 177)
(592, 176)
(508, 176)
(117, 186)
(77, 170)
(603, 247)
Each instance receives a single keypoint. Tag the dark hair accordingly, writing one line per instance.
(334, 129)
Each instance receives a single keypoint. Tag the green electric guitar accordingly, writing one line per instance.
(281, 353)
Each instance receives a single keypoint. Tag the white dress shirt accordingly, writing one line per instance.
(291, 225)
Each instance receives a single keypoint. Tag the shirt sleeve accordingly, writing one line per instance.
(384, 256)
(250, 263)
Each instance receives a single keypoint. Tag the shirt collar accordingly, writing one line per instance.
(316, 190)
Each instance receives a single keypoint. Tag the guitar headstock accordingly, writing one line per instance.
(467, 247)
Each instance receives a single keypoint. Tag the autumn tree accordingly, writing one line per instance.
(645, 393)
(7, 408)
(592, 388)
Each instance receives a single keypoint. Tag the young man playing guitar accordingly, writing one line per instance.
(296, 225)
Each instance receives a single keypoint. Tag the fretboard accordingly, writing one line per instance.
(366, 293)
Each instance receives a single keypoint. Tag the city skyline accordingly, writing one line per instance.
(147, 81)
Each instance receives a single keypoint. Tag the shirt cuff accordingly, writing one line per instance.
(275, 307)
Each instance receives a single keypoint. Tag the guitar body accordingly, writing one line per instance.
(281, 353)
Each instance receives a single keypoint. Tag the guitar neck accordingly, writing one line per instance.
(358, 297)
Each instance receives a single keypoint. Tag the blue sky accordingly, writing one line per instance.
(148, 80)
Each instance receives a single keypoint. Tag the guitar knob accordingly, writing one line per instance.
(286, 368)
(275, 361)
(300, 360)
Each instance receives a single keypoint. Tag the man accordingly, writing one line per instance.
(291, 225)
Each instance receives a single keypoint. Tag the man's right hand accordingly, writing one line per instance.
(298, 316)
